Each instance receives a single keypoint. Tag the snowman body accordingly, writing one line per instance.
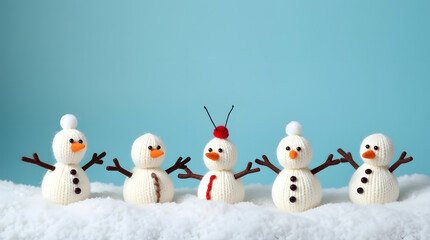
(142, 187)
(296, 190)
(224, 186)
(372, 184)
(68, 183)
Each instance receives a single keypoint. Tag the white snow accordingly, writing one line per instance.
(25, 214)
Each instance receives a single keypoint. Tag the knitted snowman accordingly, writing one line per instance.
(147, 182)
(374, 182)
(66, 182)
(296, 188)
(220, 156)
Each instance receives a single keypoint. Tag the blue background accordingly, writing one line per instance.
(344, 69)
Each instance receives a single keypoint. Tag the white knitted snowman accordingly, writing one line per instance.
(66, 182)
(296, 188)
(220, 156)
(147, 182)
(374, 182)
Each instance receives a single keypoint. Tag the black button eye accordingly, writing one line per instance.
(158, 147)
(80, 141)
(71, 140)
(219, 150)
(367, 146)
(376, 147)
(288, 148)
(298, 149)
(149, 147)
(210, 150)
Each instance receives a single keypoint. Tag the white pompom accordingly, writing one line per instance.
(294, 128)
(69, 121)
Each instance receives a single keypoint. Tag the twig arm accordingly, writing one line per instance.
(36, 160)
(401, 161)
(95, 160)
(268, 164)
(179, 164)
(347, 157)
(247, 171)
(190, 174)
(327, 163)
(118, 168)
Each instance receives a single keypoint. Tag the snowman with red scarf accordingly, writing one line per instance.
(220, 156)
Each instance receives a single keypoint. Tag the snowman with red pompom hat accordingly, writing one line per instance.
(220, 156)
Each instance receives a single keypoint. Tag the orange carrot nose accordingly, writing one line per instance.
(369, 154)
(212, 156)
(155, 153)
(77, 146)
(293, 154)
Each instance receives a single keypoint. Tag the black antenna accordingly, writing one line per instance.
(226, 121)
(210, 116)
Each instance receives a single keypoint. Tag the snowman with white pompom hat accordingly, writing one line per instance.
(66, 182)
(296, 187)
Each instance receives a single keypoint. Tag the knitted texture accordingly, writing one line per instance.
(373, 182)
(67, 183)
(225, 186)
(295, 189)
(142, 186)
(61, 186)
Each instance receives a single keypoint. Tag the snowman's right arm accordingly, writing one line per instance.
(190, 175)
(268, 164)
(36, 160)
(347, 157)
(118, 168)
(401, 160)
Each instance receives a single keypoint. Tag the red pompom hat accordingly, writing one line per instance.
(220, 131)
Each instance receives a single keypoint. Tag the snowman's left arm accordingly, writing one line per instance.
(95, 160)
(248, 170)
(327, 163)
(401, 160)
(178, 165)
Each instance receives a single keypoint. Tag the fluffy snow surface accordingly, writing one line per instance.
(25, 214)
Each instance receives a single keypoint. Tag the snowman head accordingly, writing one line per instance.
(148, 151)
(294, 151)
(220, 153)
(69, 145)
(377, 149)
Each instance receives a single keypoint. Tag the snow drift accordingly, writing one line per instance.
(25, 214)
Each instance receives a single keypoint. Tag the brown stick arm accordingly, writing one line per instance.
(347, 157)
(118, 168)
(268, 164)
(95, 160)
(179, 164)
(327, 163)
(36, 160)
(401, 160)
(190, 174)
(247, 171)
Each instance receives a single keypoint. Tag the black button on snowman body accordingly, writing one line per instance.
(75, 181)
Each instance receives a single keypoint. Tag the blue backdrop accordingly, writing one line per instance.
(344, 69)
